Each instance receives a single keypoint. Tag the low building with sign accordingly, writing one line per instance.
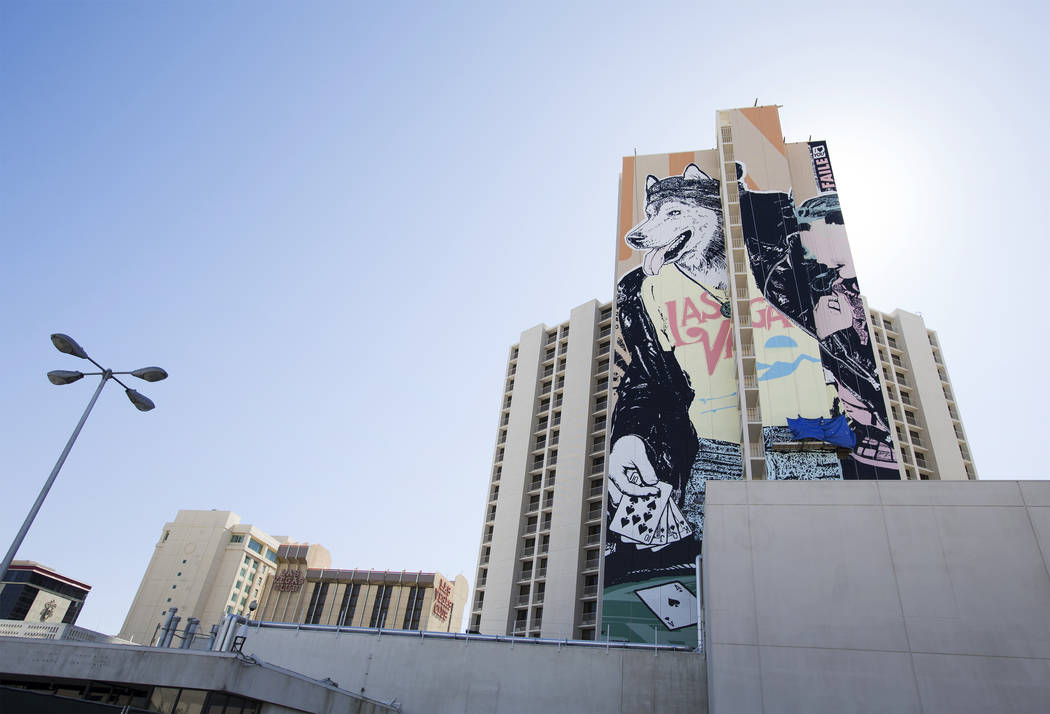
(306, 591)
(34, 593)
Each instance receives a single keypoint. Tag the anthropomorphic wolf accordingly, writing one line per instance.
(661, 431)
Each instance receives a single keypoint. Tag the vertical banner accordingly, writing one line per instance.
(675, 419)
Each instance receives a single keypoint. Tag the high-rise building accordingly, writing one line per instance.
(738, 346)
(207, 564)
(538, 571)
(930, 436)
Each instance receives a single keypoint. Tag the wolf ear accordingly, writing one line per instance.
(650, 181)
(693, 173)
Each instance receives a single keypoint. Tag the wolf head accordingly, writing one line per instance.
(683, 225)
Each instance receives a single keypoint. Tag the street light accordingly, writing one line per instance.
(66, 344)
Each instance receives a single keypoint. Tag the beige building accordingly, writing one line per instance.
(541, 539)
(306, 590)
(207, 564)
(538, 562)
(931, 441)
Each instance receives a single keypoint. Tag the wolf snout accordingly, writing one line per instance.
(636, 240)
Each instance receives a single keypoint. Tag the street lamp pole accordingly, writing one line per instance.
(66, 344)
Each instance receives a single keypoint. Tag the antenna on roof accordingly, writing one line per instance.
(756, 101)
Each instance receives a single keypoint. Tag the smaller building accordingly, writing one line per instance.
(33, 593)
(207, 564)
(306, 591)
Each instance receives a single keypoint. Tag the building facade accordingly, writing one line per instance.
(738, 346)
(207, 564)
(540, 551)
(305, 592)
(927, 423)
(33, 593)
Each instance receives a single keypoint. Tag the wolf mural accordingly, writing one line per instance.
(675, 422)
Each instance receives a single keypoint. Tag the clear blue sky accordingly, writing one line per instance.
(329, 221)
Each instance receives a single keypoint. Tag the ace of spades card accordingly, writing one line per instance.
(637, 517)
(672, 603)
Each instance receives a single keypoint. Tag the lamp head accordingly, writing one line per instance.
(65, 343)
(63, 376)
(141, 401)
(150, 374)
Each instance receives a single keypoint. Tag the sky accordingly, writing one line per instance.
(330, 221)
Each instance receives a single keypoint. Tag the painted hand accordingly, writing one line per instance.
(629, 470)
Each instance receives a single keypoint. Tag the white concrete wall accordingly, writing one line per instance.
(435, 675)
(565, 559)
(933, 407)
(500, 588)
(878, 596)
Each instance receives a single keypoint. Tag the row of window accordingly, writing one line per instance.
(380, 606)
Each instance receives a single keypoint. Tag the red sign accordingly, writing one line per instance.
(442, 600)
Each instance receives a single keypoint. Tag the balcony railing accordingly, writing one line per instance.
(590, 590)
(588, 618)
(590, 564)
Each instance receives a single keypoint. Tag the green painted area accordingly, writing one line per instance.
(625, 618)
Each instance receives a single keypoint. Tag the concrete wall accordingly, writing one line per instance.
(280, 690)
(878, 596)
(561, 605)
(436, 675)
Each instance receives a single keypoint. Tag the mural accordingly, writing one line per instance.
(676, 421)
(801, 263)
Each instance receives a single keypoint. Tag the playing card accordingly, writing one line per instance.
(672, 603)
(637, 517)
(684, 530)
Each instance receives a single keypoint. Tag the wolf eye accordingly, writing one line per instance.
(675, 212)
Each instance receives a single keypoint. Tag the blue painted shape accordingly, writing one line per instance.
(781, 341)
(782, 369)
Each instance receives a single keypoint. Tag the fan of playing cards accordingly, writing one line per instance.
(650, 522)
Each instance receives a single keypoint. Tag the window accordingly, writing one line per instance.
(553, 457)
(239, 585)
(414, 609)
(597, 465)
(172, 587)
(317, 598)
(603, 364)
(549, 353)
(244, 571)
(606, 313)
(380, 606)
(247, 560)
(270, 556)
(166, 534)
(237, 538)
(178, 574)
(537, 461)
(255, 563)
(255, 545)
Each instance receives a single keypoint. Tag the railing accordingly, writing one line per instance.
(588, 618)
(593, 539)
(540, 572)
(589, 590)
(537, 598)
(595, 491)
(528, 551)
(56, 631)
(523, 600)
(590, 564)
